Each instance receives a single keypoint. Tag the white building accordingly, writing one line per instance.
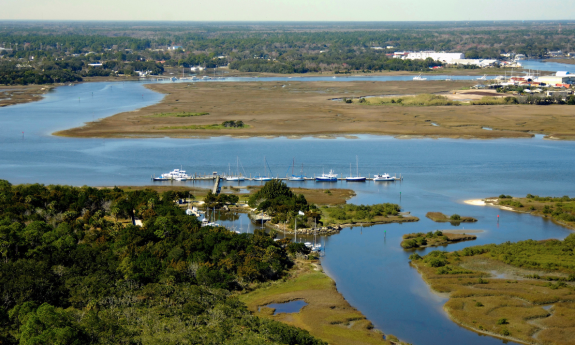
(475, 62)
(554, 79)
(441, 57)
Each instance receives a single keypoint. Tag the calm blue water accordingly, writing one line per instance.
(547, 66)
(369, 266)
(288, 307)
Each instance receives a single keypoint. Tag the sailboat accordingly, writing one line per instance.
(419, 78)
(483, 78)
(265, 178)
(357, 178)
(238, 177)
(300, 177)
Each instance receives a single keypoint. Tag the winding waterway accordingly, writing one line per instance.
(369, 266)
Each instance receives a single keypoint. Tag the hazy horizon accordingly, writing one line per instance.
(289, 11)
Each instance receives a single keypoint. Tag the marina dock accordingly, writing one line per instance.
(222, 178)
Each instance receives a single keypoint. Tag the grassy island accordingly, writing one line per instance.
(433, 239)
(520, 291)
(559, 209)
(455, 218)
(365, 214)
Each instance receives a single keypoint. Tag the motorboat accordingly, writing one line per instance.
(176, 174)
(384, 177)
(330, 177)
(483, 78)
(419, 78)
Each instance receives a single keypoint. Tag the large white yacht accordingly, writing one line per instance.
(176, 174)
(384, 177)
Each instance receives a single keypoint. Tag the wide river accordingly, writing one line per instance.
(370, 268)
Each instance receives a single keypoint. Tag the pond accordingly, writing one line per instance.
(287, 307)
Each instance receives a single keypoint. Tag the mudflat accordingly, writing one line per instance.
(17, 94)
(296, 109)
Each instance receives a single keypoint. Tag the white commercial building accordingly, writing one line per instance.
(476, 62)
(555, 79)
(442, 56)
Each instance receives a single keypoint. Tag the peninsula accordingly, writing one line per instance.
(315, 108)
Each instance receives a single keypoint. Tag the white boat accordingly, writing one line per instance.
(300, 177)
(483, 78)
(330, 177)
(384, 177)
(237, 177)
(265, 178)
(176, 174)
(309, 245)
(355, 178)
(419, 78)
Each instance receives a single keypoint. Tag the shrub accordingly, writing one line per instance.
(505, 332)
(414, 257)
(479, 304)
(455, 217)
(502, 321)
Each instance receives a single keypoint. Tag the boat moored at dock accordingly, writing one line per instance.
(384, 177)
(355, 178)
(176, 174)
(330, 177)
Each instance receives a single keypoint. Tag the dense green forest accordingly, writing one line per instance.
(73, 273)
(269, 47)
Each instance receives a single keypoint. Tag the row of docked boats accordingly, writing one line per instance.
(181, 175)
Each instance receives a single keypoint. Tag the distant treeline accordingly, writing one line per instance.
(369, 61)
(10, 76)
(276, 48)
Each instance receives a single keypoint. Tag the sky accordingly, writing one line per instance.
(288, 10)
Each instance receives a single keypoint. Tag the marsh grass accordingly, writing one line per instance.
(326, 316)
(409, 101)
(480, 302)
(211, 127)
(431, 239)
(559, 209)
(455, 218)
(495, 101)
(366, 214)
(182, 114)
